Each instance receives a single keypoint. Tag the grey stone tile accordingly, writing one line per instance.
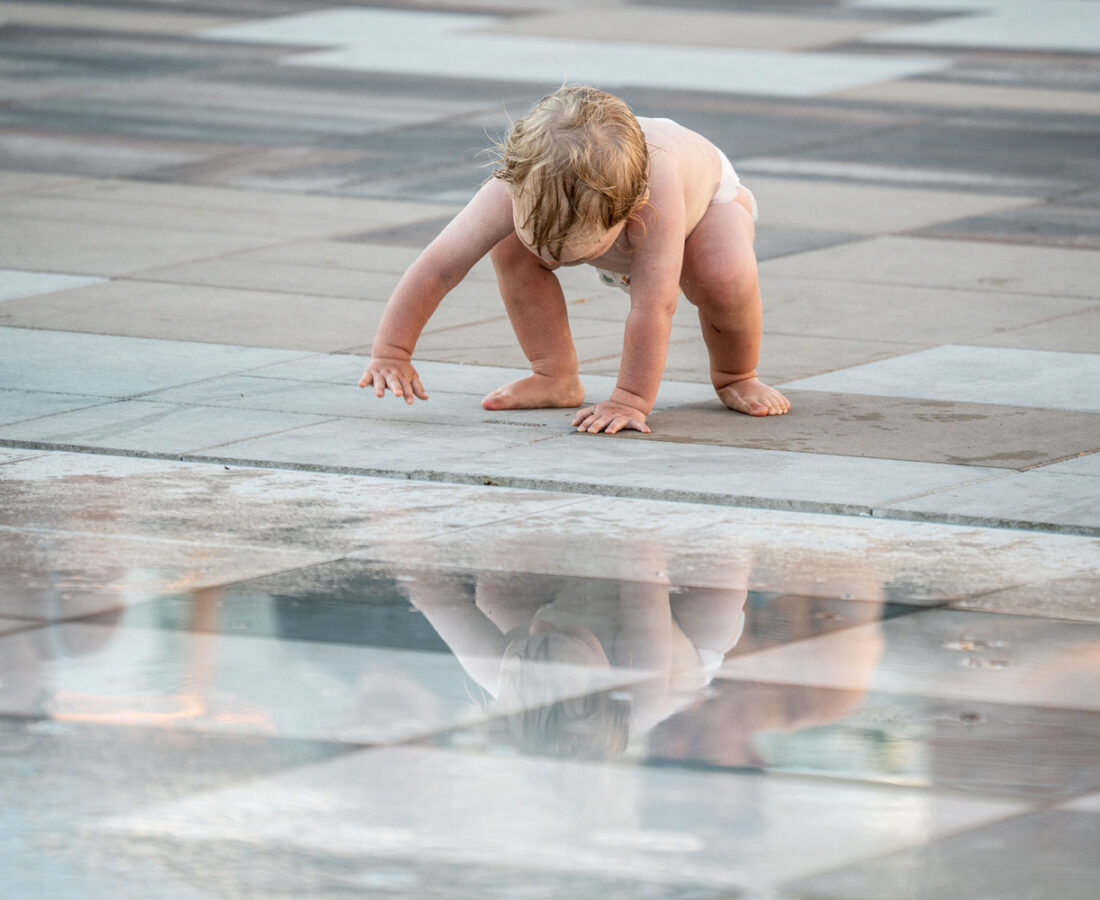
(1049, 224)
(1085, 464)
(375, 445)
(968, 434)
(863, 310)
(776, 479)
(52, 245)
(1021, 500)
(1042, 854)
(1088, 803)
(1073, 598)
(139, 427)
(165, 501)
(15, 283)
(15, 406)
(201, 313)
(9, 625)
(1037, 378)
(1072, 333)
(856, 209)
(955, 265)
(110, 366)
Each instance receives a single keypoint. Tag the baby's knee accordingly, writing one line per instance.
(727, 284)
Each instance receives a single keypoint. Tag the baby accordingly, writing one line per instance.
(653, 206)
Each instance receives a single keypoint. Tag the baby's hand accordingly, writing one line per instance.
(610, 416)
(396, 374)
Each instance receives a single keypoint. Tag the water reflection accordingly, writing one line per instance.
(546, 651)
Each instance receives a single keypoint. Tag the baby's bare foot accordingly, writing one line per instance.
(536, 392)
(754, 398)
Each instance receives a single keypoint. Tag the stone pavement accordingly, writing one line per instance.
(183, 182)
(204, 206)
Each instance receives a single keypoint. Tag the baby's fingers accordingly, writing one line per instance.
(585, 413)
(418, 388)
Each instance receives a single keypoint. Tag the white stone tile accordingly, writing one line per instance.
(139, 426)
(15, 406)
(1036, 498)
(450, 45)
(1017, 660)
(727, 831)
(1068, 26)
(15, 283)
(1038, 378)
(109, 366)
(712, 474)
(1086, 464)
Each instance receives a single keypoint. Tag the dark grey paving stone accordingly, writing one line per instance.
(772, 243)
(970, 434)
(1033, 857)
(1058, 225)
(1020, 146)
(418, 234)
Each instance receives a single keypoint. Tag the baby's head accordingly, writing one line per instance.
(554, 698)
(578, 167)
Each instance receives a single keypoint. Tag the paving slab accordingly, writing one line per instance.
(1039, 498)
(105, 18)
(16, 406)
(864, 209)
(15, 283)
(960, 95)
(710, 474)
(1047, 224)
(744, 30)
(956, 373)
(887, 428)
(1085, 464)
(1073, 598)
(54, 245)
(141, 427)
(456, 46)
(186, 312)
(863, 310)
(110, 366)
(1073, 333)
(954, 265)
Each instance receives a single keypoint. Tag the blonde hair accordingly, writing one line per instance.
(581, 157)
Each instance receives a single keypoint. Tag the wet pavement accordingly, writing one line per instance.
(262, 635)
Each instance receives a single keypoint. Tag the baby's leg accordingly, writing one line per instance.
(719, 278)
(536, 309)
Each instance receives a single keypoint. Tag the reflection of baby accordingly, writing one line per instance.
(549, 651)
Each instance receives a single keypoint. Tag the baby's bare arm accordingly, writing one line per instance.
(485, 221)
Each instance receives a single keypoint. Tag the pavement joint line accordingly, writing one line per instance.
(580, 487)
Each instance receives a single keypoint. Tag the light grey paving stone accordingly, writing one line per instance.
(7, 626)
(374, 446)
(1085, 464)
(700, 473)
(864, 209)
(209, 504)
(60, 245)
(15, 406)
(15, 283)
(450, 46)
(1073, 333)
(1034, 499)
(889, 428)
(1074, 597)
(110, 366)
(138, 426)
(1037, 378)
(955, 265)
(256, 318)
(875, 312)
